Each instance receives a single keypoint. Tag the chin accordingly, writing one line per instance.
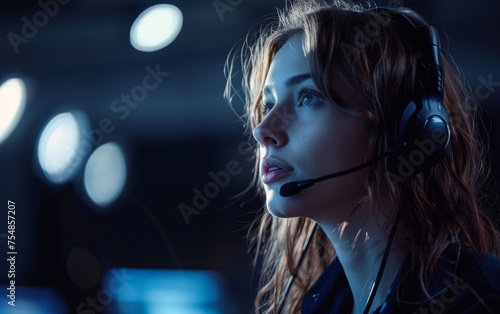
(282, 210)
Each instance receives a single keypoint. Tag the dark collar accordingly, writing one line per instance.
(406, 290)
(331, 292)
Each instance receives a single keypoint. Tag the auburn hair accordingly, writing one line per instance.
(363, 52)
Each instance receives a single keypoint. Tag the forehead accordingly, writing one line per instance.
(290, 60)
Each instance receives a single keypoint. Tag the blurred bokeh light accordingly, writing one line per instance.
(61, 147)
(34, 300)
(147, 291)
(12, 104)
(156, 27)
(105, 174)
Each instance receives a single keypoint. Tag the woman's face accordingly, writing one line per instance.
(302, 136)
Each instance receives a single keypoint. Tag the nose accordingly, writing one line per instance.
(271, 131)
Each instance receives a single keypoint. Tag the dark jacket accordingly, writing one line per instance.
(470, 286)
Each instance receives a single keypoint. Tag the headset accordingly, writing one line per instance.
(421, 127)
(421, 131)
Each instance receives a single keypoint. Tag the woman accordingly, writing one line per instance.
(336, 87)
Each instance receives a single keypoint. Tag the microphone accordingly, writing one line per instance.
(292, 188)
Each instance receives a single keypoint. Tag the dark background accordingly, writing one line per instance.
(184, 129)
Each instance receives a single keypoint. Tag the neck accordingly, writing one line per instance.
(360, 243)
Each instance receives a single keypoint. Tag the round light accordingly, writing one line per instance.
(58, 150)
(156, 27)
(105, 174)
(12, 103)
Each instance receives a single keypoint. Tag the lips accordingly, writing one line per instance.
(273, 169)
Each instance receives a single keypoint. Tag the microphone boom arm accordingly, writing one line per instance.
(295, 187)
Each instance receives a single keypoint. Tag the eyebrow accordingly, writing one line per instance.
(294, 80)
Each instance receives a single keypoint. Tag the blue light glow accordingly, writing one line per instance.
(12, 104)
(59, 151)
(167, 291)
(105, 174)
(33, 300)
(156, 27)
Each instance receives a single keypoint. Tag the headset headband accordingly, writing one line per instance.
(424, 118)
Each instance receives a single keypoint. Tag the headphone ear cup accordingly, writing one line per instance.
(434, 131)
(421, 137)
(421, 134)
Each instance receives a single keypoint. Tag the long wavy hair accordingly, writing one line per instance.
(363, 52)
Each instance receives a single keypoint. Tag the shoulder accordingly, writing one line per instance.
(476, 285)
(470, 286)
(482, 271)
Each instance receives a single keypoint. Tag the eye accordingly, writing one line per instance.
(265, 107)
(308, 97)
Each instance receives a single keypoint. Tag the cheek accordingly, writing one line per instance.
(331, 150)
(322, 152)
(346, 146)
